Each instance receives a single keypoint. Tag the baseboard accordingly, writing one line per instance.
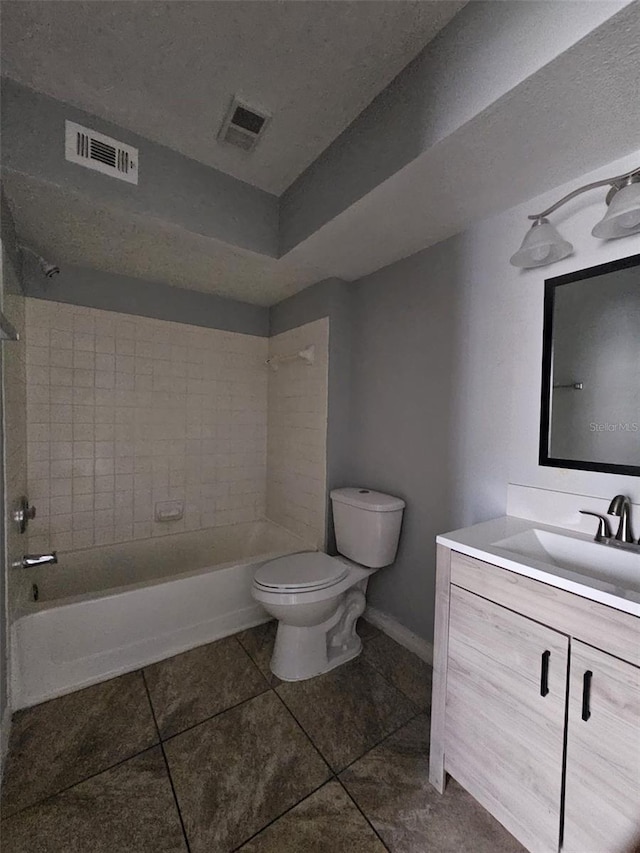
(392, 628)
(5, 728)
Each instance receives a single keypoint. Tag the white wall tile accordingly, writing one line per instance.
(297, 433)
(125, 411)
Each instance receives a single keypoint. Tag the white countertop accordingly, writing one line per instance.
(479, 541)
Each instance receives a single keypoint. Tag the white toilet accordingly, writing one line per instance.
(316, 598)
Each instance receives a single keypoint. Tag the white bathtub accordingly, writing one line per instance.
(108, 610)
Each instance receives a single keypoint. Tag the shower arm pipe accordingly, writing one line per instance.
(280, 359)
(307, 355)
(616, 182)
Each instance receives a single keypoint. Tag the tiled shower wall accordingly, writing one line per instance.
(124, 412)
(15, 426)
(12, 359)
(297, 433)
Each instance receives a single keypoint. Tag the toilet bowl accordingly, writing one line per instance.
(317, 598)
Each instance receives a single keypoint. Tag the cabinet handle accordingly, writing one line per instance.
(586, 695)
(544, 673)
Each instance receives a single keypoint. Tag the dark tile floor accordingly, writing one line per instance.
(208, 752)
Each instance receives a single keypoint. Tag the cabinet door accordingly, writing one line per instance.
(602, 799)
(505, 716)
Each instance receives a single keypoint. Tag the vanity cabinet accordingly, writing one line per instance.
(506, 689)
(602, 799)
(541, 727)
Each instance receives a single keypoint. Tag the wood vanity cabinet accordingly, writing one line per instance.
(602, 798)
(504, 729)
(539, 726)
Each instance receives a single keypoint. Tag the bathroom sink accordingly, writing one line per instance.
(603, 562)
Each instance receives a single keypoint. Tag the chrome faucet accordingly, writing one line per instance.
(31, 560)
(620, 506)
(604, 530)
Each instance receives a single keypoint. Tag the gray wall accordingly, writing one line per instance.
(451, 81)
(330, 298)
(429, 410)
(111, 292)
(171, 187)
(419, 395)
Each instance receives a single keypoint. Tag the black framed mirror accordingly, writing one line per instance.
(590, 413)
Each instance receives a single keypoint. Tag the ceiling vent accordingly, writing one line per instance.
(102, 153)
(243, 125)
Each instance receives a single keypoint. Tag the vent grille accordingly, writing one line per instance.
(243, 125)
(101, 153)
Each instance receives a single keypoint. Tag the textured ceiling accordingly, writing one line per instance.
(575, 113)
(569, 118)
(168, 70)
(69, 228)
(579, 112)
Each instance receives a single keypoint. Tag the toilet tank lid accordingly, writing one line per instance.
(367, 499)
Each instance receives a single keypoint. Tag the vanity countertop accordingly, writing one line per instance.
(485, 542)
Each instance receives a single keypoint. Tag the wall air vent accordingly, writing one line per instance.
(97, 151)
(243, 125)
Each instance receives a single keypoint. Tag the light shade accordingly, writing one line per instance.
(542, 245)
(623, 214)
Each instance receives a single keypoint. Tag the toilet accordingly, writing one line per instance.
(317, 598)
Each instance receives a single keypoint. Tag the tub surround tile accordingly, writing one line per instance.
(258, 643)
(401, 667)
(239, 771)
(65, 740)
(347, 711)
(327, 820)
(297, 433)
(391, 786)
(190, 687)
(129, 807)
(99, 379)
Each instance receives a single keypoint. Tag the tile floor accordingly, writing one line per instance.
(208, 752)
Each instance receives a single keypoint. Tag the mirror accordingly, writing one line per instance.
(590, 416)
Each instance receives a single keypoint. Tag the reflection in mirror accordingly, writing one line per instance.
(591, 369)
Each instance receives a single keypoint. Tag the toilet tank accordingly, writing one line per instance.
(367, 526)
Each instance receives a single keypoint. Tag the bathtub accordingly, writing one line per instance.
(104, 611)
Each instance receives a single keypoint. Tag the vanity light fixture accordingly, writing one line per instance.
(543, 244)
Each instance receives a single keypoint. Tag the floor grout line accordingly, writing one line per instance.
(254, 663)
(386, 677)
(166, 764)
(357, 805)
(388, 680)
(257, 665)
(304, 731)
(417, 713)
(80, 781)
(290, 809)
(213, 716)
(333, 774)
(378, 743)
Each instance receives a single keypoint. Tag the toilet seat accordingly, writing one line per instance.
(306, 572)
